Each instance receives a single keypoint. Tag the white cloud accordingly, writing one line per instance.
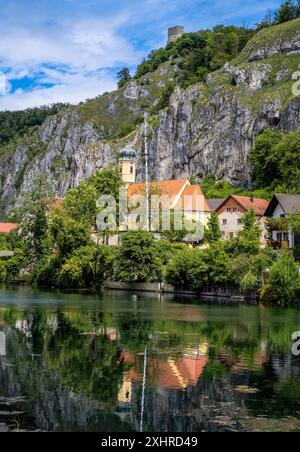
(74, 89)
(73, 43)
(4, 85)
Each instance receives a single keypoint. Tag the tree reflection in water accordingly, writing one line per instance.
(77, 363)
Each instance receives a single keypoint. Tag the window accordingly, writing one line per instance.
(235, 209)
(228, 209)
(131, 170)
(225, 222)
(279, 237)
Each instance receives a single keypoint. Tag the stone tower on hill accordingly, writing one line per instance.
(174, 33)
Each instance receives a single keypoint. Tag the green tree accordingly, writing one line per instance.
(213, 231)
(284, 279)
(2, 271)
(287, 11)
(178, 268)
(137, 259)
(288, 154)
(123, 76)
(81, 202)
(67, 235)
(32, 219)
(249, 282)
(249, 238)
(265, 158)
(88, 267)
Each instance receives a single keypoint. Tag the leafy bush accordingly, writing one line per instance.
(16, 263)
(46, 272)
(138, 258)
(284, 279)
(199, 53)
(195, 268)
(2, 271)
(276, 160)
(249, 282)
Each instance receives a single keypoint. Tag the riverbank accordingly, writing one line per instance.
(163, 288)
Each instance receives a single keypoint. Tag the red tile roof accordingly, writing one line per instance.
(6, 228)
(173, 188)
(163, 187)
(259, 205)
(196, 202)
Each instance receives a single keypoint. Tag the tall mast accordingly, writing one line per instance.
(147, 173)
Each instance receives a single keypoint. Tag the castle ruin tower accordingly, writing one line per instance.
(127, 162)
(174, 33)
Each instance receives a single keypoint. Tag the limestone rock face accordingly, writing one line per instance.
(196, 137)
(206, 129)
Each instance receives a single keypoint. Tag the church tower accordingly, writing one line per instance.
(127, 162)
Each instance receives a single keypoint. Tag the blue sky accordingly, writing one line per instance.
(70, 50)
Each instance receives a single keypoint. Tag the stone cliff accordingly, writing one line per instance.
(208, 128)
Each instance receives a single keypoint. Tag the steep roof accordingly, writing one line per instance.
(289, 203)
(214, 204)
(195, 200)
(6, 228)
(162, 187)
(175, 190)
(259, 205)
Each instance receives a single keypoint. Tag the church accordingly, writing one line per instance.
(167, 195)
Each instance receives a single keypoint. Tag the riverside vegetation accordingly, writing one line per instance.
(241, 72)
(53, 246)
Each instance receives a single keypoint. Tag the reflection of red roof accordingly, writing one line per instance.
(6, 228)
(178, 374)
(171, 373)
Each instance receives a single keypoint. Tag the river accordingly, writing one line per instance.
(124, 362)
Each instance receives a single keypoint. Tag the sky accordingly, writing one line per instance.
(71, 50)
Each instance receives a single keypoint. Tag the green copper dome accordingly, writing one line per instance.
(127, 153)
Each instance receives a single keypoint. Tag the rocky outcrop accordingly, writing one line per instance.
(197, 137)
(206, 129)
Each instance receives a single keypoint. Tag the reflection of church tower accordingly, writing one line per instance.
(2, 344)
(127, 161)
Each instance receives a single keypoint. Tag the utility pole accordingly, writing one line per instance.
(147, 173)
(143, 391)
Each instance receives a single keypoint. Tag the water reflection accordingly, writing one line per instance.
(2, 344)
(77, 363)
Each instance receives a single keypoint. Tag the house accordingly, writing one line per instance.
(171, 195)
(7, 228)
(280, 207)
(232, 209)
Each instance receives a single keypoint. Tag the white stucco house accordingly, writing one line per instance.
(281, 206)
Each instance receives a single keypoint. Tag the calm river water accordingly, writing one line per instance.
(73, 362)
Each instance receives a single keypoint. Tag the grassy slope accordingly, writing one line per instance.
(114, 123)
